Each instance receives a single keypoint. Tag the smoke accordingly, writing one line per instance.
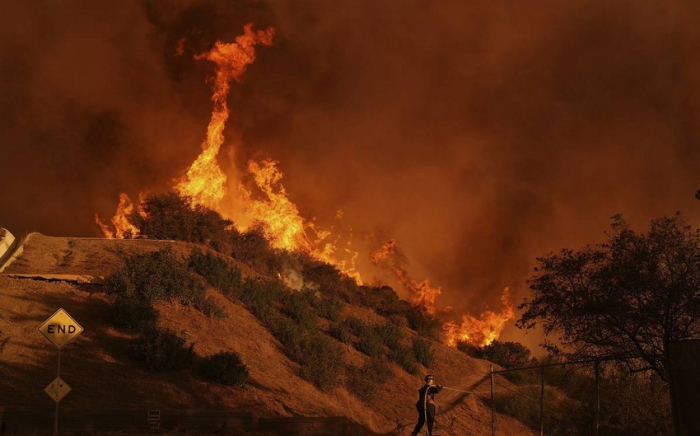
(478, 135)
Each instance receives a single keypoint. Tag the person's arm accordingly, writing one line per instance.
(436, 389)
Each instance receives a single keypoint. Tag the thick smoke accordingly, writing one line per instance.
(479, 135)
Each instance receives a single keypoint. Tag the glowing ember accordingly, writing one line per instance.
(484, 330)
(422, 293)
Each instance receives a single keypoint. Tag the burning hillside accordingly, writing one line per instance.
(206, 184)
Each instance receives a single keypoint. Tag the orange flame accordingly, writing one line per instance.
(123, 228)
(484, 330)
(205, 182)
(422, 293)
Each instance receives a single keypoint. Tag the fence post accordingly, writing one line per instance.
(597, 397)
(493, 415)
(542, 402)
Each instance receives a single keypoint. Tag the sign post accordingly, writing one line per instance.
(60, 329)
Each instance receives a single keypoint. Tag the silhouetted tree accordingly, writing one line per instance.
(625, 299)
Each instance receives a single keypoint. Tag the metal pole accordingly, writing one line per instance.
(597, 397)
(58, 374)
(542, 402)
(493, 415)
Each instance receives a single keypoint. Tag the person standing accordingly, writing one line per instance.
(426, 405)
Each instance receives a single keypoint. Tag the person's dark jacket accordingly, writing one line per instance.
(429, 391)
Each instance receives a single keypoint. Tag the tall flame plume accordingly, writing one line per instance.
(206, 184)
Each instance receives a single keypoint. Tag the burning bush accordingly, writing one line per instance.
(216, 271)
(170, 216)
(423, 351)
(161, 350)
(224, 367)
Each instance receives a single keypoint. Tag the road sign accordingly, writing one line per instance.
(60, 328)
(154, 418)
(57, 389)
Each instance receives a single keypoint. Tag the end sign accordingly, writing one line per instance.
(60, 328)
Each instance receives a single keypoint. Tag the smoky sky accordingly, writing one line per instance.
(479, 135)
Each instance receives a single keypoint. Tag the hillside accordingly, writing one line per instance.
(54, 272)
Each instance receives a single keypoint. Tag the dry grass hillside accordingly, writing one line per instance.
(56, 272)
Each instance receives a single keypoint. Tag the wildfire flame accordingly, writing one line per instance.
(422, 293)
(484, 330)
(123, 228)
(204, 183)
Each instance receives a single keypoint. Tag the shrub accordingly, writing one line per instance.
(259, 294)
(365, 382)
(329, 308)
(505, 354)
(133, 313)
(405, 358)
(297, 306)
(356, 325)
(423, 351)
(399, 320)
(162, 350)
(169, 216)
(225, 368)
(253, 248)
(330, 281)
(369, 343)
(210, 308)
(341, 333)
(216, 271)
(389, 334)
(156, 276)
(424, 323)
(321, 361)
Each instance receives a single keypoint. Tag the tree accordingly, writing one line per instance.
(625, 299)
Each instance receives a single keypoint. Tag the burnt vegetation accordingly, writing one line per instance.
(295, 318)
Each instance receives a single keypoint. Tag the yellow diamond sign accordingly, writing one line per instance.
(57, 389)
(60, 328)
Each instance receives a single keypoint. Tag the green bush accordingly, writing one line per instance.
(216, 271)
(399, 320)
(297, 305)
(405, 358)
(210, 308)
(169, 216)
(330, 281)
(161, 350)
(156, 276)
(321, 361)
(133, 313)
(365, 382)
(260, 294)
(225, 368)
(423, 351)
(356, 325)
(329, 308)
(424, 323)
(389, 334)
(341, 333)
(253, 248)
(370, 343)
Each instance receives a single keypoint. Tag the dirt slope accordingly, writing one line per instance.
(101, 376)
